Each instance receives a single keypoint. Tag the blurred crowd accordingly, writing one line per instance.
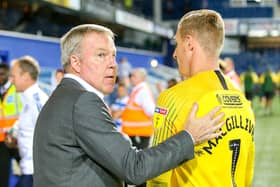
(265, 85)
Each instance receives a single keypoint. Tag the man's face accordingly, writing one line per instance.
(181, 55)
(18, 78)
(4, 76)
(98, 65)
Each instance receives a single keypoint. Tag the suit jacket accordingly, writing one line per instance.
(76, 143)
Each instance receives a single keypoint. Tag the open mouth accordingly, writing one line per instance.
(110, 77)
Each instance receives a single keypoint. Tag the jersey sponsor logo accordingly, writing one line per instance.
(229, 100)
(162, 111)
(159, 116)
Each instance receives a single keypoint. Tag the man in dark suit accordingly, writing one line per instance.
(76, 142)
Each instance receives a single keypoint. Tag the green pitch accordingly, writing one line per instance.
(267, 139)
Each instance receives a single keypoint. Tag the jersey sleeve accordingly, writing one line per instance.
(250, 166)
(164, 128)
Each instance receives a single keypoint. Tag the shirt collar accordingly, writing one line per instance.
(31, 90)
(86, 85)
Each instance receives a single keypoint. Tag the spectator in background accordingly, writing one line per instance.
(128, 4)
(278, 81)
(10, 107)
(171, 82)
(249, 79)
(58, 76)
(24, 75)
(268, 87)
(137, 116)
(120, 103)
(161, 87)
(110, 98)
(59, 73)
(228, 68)
(124, 69)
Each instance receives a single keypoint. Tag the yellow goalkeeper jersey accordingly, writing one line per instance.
(225, 161)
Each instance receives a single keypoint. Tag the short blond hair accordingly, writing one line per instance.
(207, 27)
(70, 42)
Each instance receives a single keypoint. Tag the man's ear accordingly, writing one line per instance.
(75, 63)
(25, 76)
(189, 43)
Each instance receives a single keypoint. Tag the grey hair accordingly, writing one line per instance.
(70, 42)
(28, 64)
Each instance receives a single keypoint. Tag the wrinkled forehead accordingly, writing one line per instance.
(99, 41)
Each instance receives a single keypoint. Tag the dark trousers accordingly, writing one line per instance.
(6, 154)
(25, 181)
(4, 165)
(141, 142)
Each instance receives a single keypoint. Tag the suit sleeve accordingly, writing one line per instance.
(98, 137)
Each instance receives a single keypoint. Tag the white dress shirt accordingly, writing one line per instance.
(86, 85)
(32, 99)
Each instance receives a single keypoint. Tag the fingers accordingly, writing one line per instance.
(213, 132)
(206, 127)
(193, 111)
(218, 118)
(219, 126)
(215, 135)
(217, 130)
(212, 113)
(210, 131)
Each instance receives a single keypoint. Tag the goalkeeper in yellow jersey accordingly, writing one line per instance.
(225, 161)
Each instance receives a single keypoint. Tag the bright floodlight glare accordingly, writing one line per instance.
(154, 63)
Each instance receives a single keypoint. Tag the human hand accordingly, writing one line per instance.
(206, 127)
(10, 141)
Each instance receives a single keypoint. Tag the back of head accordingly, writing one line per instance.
(207, 27)
(70, 42)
